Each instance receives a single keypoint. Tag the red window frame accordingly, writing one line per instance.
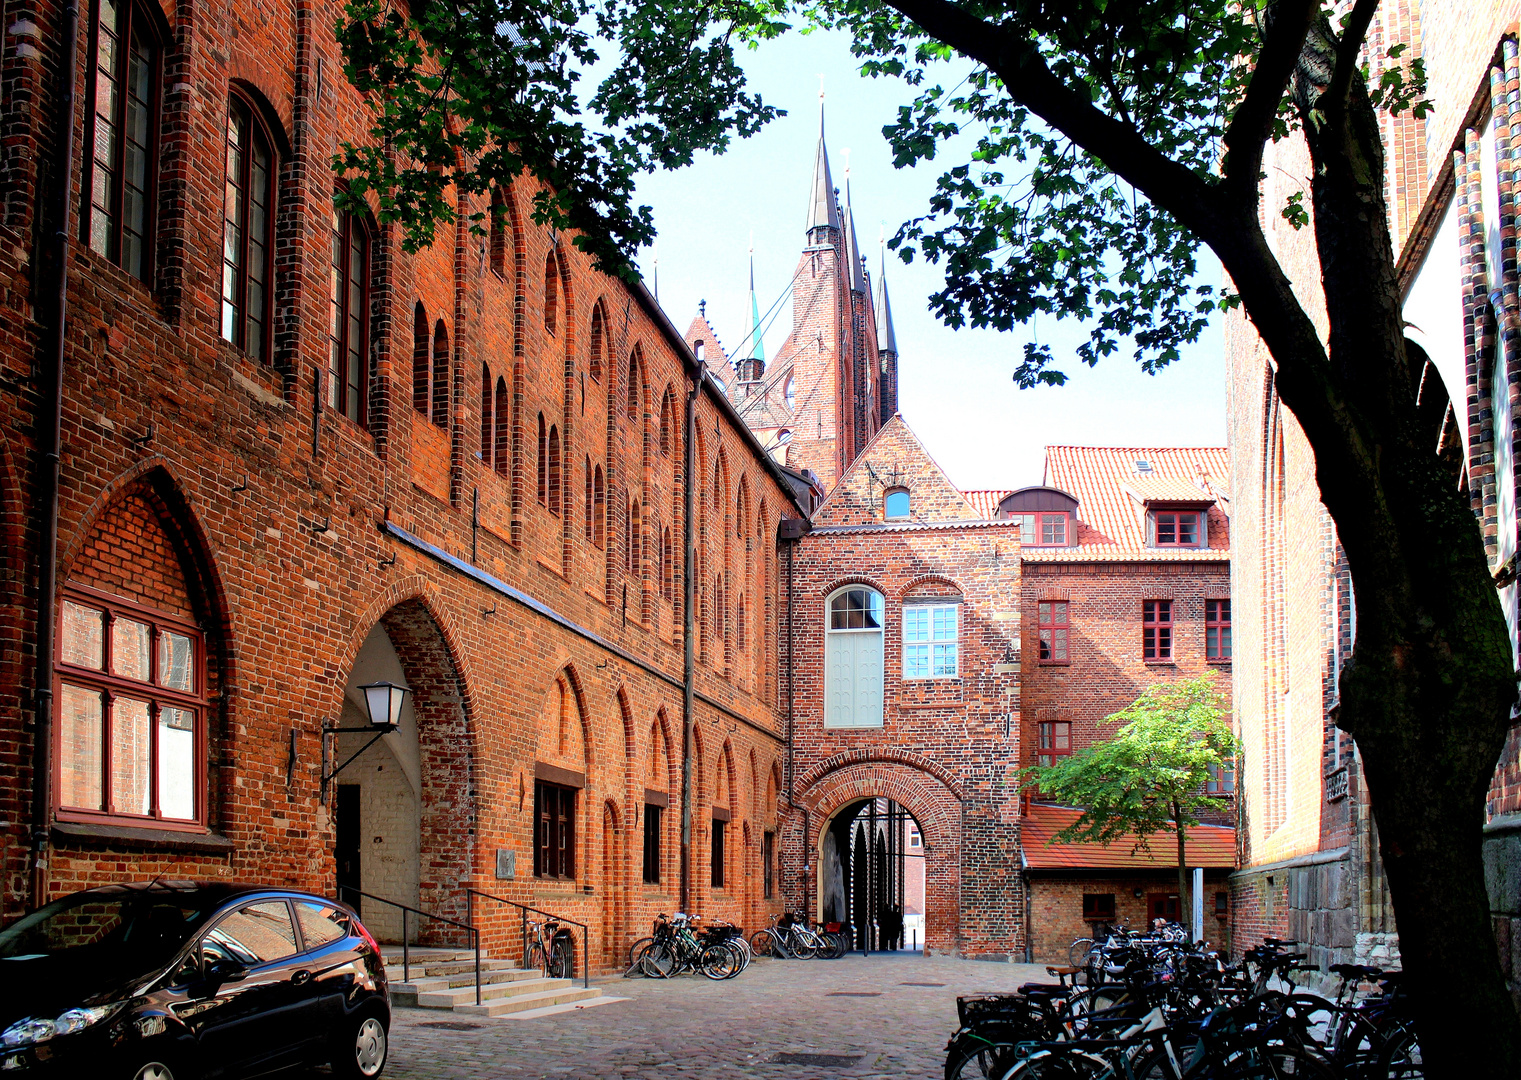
(104, 223)
(1217, 631)
(554, 848)
(348, 376)
(108, 684)
(1167, 528)
(1039, 528)
(1054, 740)
(1156, 631)
(1098, 907)
(1054, 619)
(1222, 780)
(248, 277)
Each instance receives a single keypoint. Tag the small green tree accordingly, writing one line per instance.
(1150, 777)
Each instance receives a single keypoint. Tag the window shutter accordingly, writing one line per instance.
(868, 671)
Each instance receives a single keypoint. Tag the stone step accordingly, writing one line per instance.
(392, 955)
(526, 1002)
(405, 993)
(456, 996)
(431, 969)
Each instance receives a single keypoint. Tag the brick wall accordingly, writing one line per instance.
(1056, 908)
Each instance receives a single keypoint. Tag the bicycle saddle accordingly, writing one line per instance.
(1357, 971)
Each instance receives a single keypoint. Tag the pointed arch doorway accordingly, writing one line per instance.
(871, 875)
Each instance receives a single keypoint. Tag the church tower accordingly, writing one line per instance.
(820, 401)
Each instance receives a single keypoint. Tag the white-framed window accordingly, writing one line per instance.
(896, 504)
(930, 638)
(853, 658)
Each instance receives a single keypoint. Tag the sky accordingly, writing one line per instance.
(955, 387)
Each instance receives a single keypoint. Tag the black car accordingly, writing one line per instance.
(168, 980)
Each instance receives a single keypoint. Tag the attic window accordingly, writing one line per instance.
(895, 504)
(1142, 467)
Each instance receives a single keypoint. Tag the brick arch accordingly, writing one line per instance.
(853, 579)
(446, 735)
(664, 727)
(698, 787)
(248, 75)
(566, 668)
(626, 714)
(931, 579)
(885, 754)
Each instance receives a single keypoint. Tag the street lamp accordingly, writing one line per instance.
(383, 701)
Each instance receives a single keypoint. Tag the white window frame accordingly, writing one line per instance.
(833, 636)
(934, 645)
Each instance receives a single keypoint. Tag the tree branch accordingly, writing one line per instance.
(1287, 24)
(1347, 51)
(1118, 145)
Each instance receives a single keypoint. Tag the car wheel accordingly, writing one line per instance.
(360, 1052)
(154, 1068)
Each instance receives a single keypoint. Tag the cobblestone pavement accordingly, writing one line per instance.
(696, 1029)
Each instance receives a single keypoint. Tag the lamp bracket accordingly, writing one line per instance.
(380, 731)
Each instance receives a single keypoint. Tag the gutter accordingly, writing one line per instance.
(50, 451)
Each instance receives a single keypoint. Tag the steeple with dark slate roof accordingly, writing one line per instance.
(823, 213)
(887, 341)
(852, 245)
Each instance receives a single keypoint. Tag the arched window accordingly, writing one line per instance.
(551, 293)
(789, 392)
(853, 657)
(441, 368)
(598, 342)
(636, 542)
(667, 420)
(599, 508)
(348, 368)
(628, 546)
(895, 503)
(588, 498)
(248, 229)
(421, 366)
(488, 425)
(634, 411)
(668, 563)
(502, 420)
(498, 232)
(543, 462)
(119, 196)
(554, 469)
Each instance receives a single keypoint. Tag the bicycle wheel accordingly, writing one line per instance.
(1077, 952)
(742, 955)
(1051, 1065)
(761, 943)
(803, 944)
(1277, 1063)
(1402, 1058)
(636, 948)
(973, 1055)
(658, 961)
(833, 946)
(533, 957)
(562, 959)
(717, 962)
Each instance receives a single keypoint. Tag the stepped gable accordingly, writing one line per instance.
(894, 458)
(714, 358)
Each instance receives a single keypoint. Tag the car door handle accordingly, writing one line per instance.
(301, 978)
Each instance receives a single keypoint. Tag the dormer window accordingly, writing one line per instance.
(1043, 529)
(697, 349)
(1175, 528)
(895, 504)
(1047, 516)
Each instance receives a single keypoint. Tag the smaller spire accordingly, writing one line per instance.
(822, 212)
(757, 350)
(887, 341)
(852, 245)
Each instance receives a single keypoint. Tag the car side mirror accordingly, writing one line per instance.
(224, 970)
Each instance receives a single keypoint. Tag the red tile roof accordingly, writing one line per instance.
(1112, 517)
(986, 502)
(1210, 846)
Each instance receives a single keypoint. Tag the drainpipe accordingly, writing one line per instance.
(50, 449)
(791, 667)
(688, 591)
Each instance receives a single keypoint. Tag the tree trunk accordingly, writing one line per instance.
(1183, 905)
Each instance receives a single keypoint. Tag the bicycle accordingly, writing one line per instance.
(549, 949)
(789, 936)
(675, 949)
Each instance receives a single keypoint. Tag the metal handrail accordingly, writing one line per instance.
(406, 958)
(471, 894)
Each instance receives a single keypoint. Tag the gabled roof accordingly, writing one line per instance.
(714, 358)
(1112, 520)
(1212, 847)
(894, 457)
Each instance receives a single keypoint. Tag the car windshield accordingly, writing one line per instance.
(148, 926)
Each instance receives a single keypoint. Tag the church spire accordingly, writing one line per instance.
(887, 341)
(852, 245)
(822, 211)
(753, 367)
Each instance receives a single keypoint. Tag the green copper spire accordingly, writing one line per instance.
(757, 350)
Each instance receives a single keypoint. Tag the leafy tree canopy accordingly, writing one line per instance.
(1151, 773)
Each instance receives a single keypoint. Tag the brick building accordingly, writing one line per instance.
(297, 460)
(1126, 582)
(1310, 861)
